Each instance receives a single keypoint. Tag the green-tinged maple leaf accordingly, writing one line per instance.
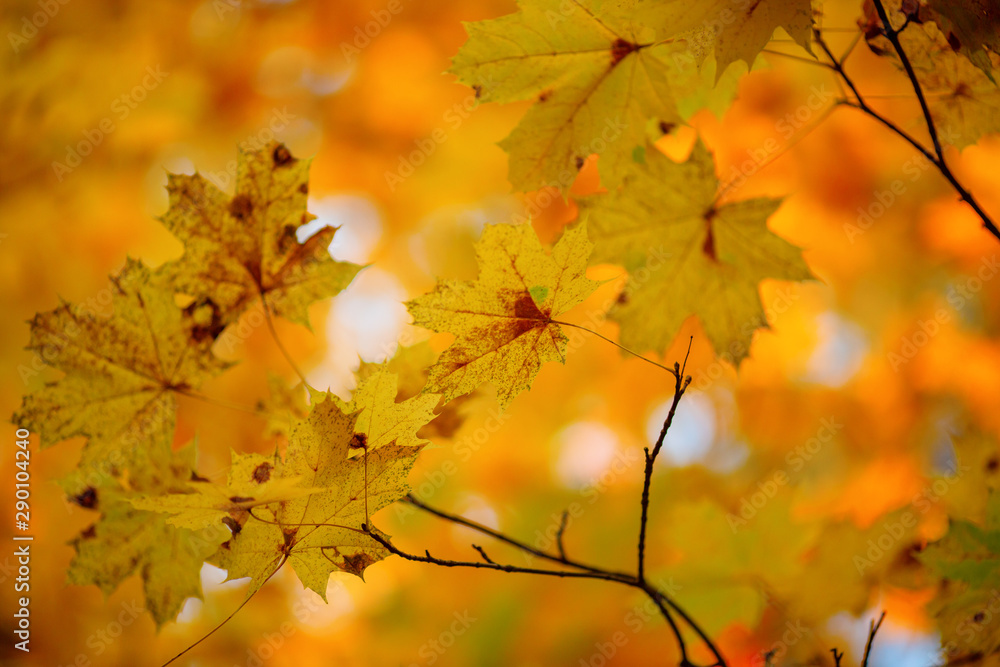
(238, 248)
(502, 322)
(121, 372)
(601, 74)
(967, 559)
(687, 256)
(972, 27)
(252, 483)
(380, 419)
(127, 541)
(314, 522)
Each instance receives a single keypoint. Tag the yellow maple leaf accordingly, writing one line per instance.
(687, 256)
(251, 484)
(602, 75)
(122, 371)
(410, 364)
(380, 419)
(126, 540)
(503, 322)
(240, 248)
(306, 509)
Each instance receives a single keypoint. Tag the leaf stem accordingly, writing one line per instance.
(801, 59)
(228, 618)
(274, 334)
(220, 403)
(618, 345)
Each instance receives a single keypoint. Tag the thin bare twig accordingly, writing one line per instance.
(660, 599)
(680, 386)
(563, 521)
(872, 630)
(482, 552)
(893, 36)
(667, 606)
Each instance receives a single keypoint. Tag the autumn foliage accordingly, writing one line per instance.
(768, 284)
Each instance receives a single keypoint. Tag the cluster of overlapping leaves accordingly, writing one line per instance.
(607, 78)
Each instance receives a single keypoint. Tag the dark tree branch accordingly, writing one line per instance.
(936, 157)
(523, 546)
(893, 36)
(660, 599)
(872, 630)
(667, 606)
(680, 386)
(487, 565)
(559, 534)
(482, 553)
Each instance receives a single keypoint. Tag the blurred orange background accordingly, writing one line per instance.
(118, 93)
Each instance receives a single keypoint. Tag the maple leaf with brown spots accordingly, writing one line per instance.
(503, 322)
(241, 248)
(123, 371)
(306, 509)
